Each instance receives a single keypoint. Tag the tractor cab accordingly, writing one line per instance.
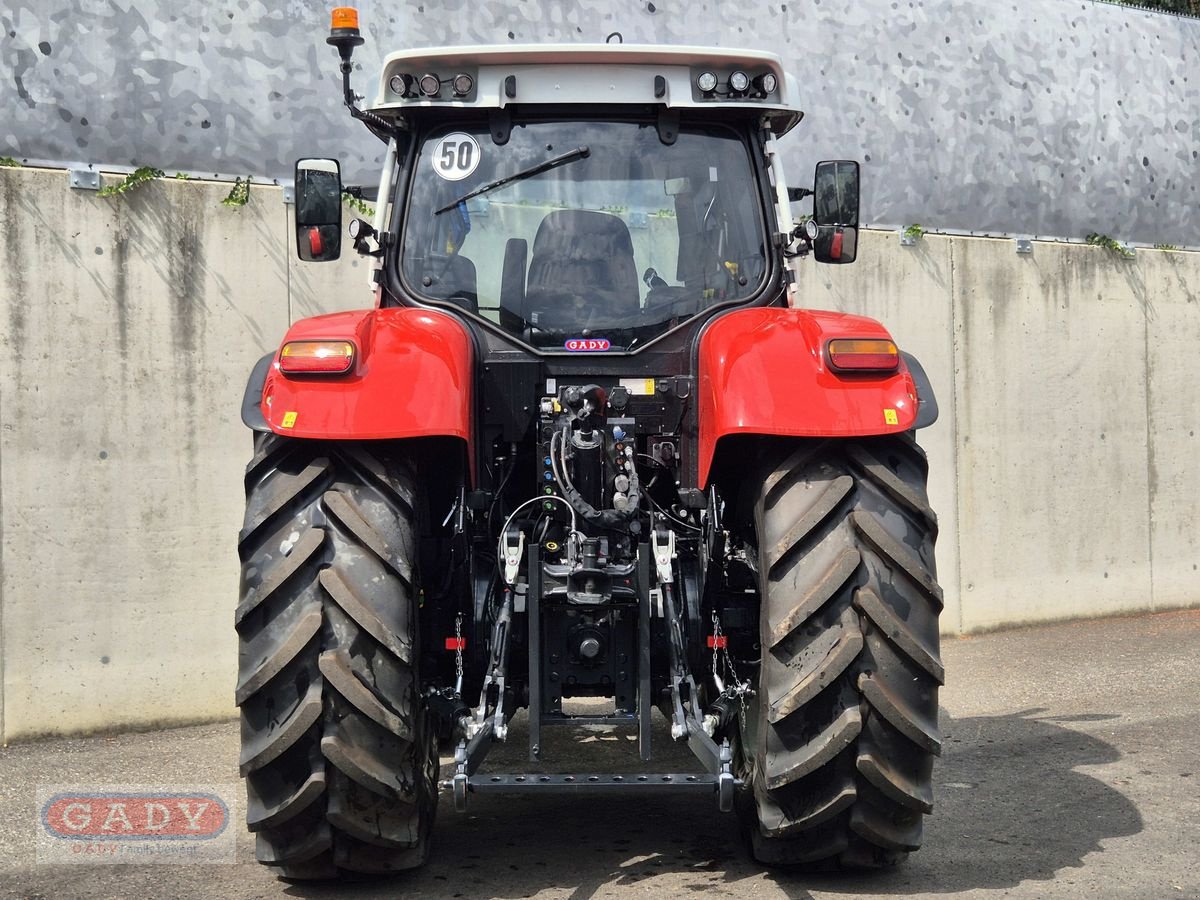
(584, 197)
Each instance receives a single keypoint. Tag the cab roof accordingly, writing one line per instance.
(582, 74)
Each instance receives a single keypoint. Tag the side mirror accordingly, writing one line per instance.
(835, 211)
(318, 210)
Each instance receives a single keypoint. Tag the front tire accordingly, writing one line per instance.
(337, 752)
(840, 739)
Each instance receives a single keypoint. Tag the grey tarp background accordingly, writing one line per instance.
(1048, 117)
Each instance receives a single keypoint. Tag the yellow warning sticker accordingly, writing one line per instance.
(289, 419)
(890, 417)
(639, 387)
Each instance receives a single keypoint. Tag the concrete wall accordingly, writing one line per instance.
(129, 326)
(1065, 467)
(1040, 117)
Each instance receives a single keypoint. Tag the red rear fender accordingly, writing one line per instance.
(764, 371)
(411, 377)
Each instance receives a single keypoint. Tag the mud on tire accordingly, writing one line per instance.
(839, 745)
(337, 753)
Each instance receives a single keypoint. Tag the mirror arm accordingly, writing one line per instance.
(362, 246)
(364, 249)
(366, 192)
(800, 247)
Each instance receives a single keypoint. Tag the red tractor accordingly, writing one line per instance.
(585, 457)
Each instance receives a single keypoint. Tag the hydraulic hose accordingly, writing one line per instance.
(616, 519)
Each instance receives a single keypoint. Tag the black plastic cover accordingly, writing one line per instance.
(252, 416)
(927, 412)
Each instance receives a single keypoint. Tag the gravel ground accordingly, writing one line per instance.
(1070, 769)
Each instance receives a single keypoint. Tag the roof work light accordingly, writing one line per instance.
(429, 84)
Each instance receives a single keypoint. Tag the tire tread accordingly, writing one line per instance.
(340, 768)
(839, 760)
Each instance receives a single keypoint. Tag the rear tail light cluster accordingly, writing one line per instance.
(316, 357)
(863, 355)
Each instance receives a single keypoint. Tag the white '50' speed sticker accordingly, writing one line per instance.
(456, 156)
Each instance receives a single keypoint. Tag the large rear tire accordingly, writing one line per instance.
(839, 742)
(337, 752)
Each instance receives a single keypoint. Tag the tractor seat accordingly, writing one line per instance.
(582, 272)
(453, 279)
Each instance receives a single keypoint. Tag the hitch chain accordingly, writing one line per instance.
(458, 656)
(736, 688)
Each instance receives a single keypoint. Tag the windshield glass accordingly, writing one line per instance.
(594, 231)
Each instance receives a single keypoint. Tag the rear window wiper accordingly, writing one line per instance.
(555, 162)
